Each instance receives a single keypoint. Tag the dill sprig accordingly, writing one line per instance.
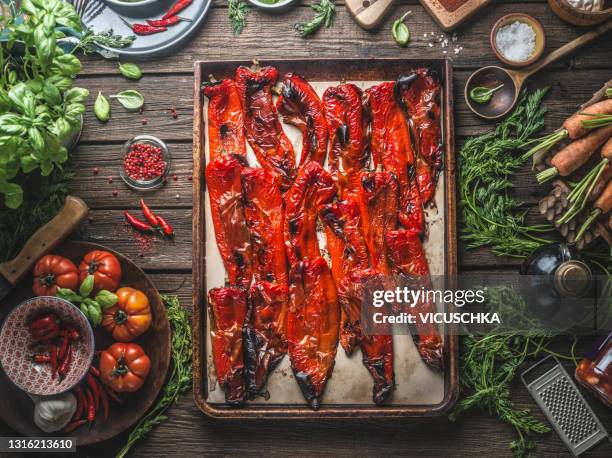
(491, 361)
(106, 38)
(237, 11)
(179, 377)
(325, 14)
(485, 169)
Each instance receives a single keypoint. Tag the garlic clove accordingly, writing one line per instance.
(52, 413)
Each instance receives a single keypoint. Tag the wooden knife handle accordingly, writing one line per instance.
(45, 239)
(368, 13)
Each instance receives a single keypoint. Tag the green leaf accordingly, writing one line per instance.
(28, 163)
(106, 299)
(13, 194)
(51, 94)
(36, 139)
(76, 95)
(66, 65)
(12, 124)
(102, 108)
(46, 167)
(85, 310)
(130, 71)
(130, 99)
(87, 286)
(400, 31)
(68, 295)
(95, 313)
(63, 83)
(62, 128)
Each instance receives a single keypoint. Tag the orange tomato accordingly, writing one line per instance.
(52, 272)
(129, 317)
(124, 367)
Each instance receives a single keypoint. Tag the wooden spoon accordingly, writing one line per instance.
(505, 99)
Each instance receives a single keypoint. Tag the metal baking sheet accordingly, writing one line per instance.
(417, 386)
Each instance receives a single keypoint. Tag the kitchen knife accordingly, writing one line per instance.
(42, 242)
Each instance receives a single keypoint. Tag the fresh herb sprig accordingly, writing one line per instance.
(237, 11)
(179, 377)
(486, 165)
(106, 38)
(325, 14)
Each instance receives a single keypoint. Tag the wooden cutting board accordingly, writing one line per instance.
(447, 13)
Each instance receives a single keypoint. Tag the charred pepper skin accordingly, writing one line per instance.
(408, 258)
(347, 249)
(376, 347)
(264, 132)
(419, 94)
(228, 308)
(392, 149)
(347, 120)
(264, 333)
(312, 188)
(263, 206)
(313, 323)
(378, 204)
(225, 119)
(223, 179)
(300, 105)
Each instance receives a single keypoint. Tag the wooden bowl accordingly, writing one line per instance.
(540, 44)
(578, 17)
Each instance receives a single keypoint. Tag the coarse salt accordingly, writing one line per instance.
(516, 41)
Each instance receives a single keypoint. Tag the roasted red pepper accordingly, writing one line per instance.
(408, 258)
(313, 187)
(227, 210)
(179, 6)
(420, 94)
(347, 250)
(228, 308)
(264, 132)
(392, 148)
(264, 333)
(348, 135)
(378, 204)
(263, 207)
(301, 106)
(225, 119)
(376, 347)
(313, 323)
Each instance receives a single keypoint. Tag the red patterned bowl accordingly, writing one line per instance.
(17, 347)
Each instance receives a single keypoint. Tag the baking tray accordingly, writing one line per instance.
(317, 70)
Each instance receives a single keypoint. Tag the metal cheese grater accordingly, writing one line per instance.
(564, 406)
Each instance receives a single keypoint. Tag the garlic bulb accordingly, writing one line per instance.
(52, 413)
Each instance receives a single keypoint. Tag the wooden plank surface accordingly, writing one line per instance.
(168, 82)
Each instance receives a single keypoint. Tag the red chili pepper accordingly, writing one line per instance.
(74, 425)
(45, 328)
(64, 348)
(164, 22)
(93, 370)
(145, 29)
(136, 223)
(93, 385)
(151, 218)
(53, 361)
(104, 399)
(43, 321)
(91, 407)
(82, 401)
(112, 394)
(73, 333)
(41, 359)
(78, 394)
(177, 8)
(168, 231)
(65, 365)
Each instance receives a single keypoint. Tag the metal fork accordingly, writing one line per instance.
(88, 9)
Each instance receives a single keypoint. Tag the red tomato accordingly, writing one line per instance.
(105, 268)
(124, 367)
(52, 272)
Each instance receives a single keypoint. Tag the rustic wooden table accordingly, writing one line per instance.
(168, 82)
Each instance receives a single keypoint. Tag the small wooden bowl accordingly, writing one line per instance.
(578, 17)
(540, 44)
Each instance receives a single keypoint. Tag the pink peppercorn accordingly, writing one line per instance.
(144, 162)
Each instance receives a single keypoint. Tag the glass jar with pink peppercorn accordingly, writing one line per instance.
(146, 163)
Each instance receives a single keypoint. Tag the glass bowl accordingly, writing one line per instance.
(145, 185)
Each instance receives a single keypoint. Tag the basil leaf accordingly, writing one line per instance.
(51, 94)
(62, 128)
(130, 99)
(13, 194)
(87, 286)
(106, 299)
(76, 95)
(68, 295)
(66, 65)
(400, 31)
(95, 313)
(12, 124)
(28, 163)
(36, 139)
(130, 71)
(102, 108)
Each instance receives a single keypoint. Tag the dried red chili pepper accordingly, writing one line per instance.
(376, 346)
(264, 133)
(91, 407)
(300, 106)
(228, 307)
(45, 328)
(313, 187)
(103, 400)
(408, 258)
(347, 249)
(64, 347)
(225, 119)
(41, 359)
(74, 425)
(146, 29)
(164, 22)
(392, 148)
(93, 386)
(94, 371)
(348, 135)
(112, 394)
(263, 207)
(165, 227)
(227, 209)
(80, 398)
(149, 215)
(419, 93)
(313, 322)
(378, 204)
(265, 342)
(136, 223)
(64, 367)
(53, 361)
(73, 333)
(179, 6)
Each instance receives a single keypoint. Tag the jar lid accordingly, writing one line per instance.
(573, 278)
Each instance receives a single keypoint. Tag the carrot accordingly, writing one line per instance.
(601, 182)
(602, 205)
(572, 127)
(606, 150)
(575, 155)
